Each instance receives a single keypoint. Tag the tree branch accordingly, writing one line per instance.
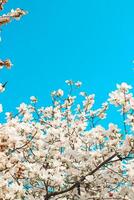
(77, 184)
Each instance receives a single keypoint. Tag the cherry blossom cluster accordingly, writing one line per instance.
(5, 63)
(63, 152)
(14, 14)
(124, 99)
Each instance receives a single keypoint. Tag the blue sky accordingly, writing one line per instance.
(90, 40)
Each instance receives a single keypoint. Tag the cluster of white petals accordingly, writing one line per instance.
(124, 99)
(63, 152)
(14, 14)
(5, 63)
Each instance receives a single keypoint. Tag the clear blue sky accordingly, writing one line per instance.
(90, 40)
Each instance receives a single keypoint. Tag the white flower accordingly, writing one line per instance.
(22, 108)
(53, 93)
(27, 116)
(124, 86)
(69, 82)
(16, 14)
(78, 84)
(83, 94)
(132, 102)
(33, 99)
(8, 64)
(60, 92)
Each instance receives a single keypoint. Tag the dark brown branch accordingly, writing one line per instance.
(77, 184)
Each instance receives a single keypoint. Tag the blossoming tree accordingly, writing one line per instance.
(62, 151)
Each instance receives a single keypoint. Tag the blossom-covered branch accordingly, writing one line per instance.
(55, 153)
(14, 14)
(62, 151)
